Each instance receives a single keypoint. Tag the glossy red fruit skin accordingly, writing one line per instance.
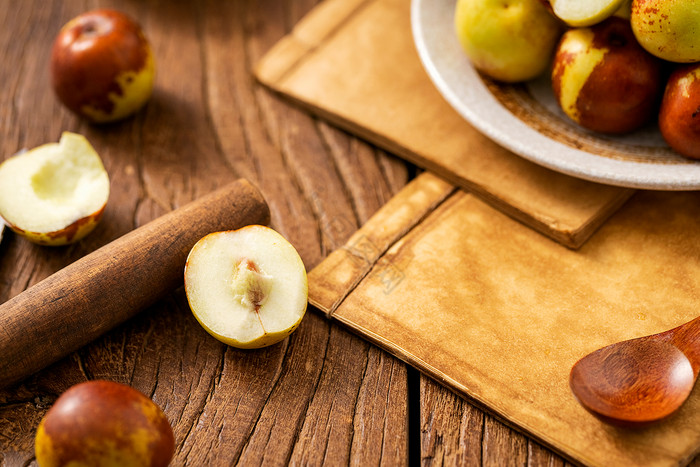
(622, 93)
(679, 116)
(89, 54)
(92, 418)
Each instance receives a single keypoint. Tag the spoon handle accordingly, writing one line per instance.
(686, 338)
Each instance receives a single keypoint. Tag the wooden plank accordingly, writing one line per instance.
(454, 430)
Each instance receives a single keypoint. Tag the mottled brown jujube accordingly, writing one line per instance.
(104, 423)
(95, 57)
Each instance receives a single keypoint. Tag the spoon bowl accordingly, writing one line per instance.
(639, 381)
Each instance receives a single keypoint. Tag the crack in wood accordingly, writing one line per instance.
(81, 365)
(201, 409)
(312, 392)
(323, 131)
(275, 379)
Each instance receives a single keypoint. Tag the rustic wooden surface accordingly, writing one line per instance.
(321, 396)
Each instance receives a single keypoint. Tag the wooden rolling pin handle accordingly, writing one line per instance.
(105, 288)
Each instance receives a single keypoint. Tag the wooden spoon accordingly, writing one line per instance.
(642, 380)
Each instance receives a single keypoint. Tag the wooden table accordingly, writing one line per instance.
(321, 396)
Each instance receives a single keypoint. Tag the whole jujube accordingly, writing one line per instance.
(604, 80)
(102, 66)
(668, 28)
(100, 423)
(679, 117)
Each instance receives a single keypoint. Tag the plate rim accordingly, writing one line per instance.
(524, 141)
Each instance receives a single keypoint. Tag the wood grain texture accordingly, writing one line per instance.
(323, 395)
(456, 433)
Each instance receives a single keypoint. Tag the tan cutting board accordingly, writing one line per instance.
(500, 314)
(353, 62)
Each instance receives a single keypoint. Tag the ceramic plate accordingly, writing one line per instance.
(526, 119)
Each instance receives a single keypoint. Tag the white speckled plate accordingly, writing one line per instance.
(526, 119)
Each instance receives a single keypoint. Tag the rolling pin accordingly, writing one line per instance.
(84, 300)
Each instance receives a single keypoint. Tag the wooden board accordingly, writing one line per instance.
(500, 314)
(353, 62)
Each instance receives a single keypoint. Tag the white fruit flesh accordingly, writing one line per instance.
(248, 287)
(584, 13)
(52, 186)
